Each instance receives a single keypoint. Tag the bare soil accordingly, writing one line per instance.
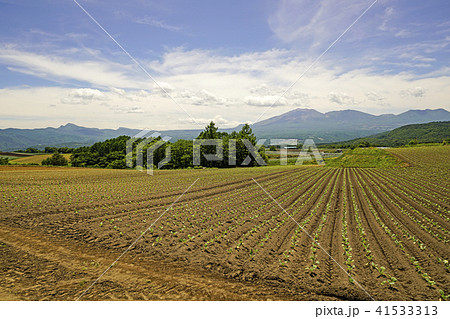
(224, 239)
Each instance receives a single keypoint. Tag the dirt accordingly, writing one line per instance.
(225, 239)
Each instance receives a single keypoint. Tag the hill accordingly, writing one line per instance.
(434, 132)
(327, 127)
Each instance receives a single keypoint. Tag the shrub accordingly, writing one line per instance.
(55, 160)
(117, 164)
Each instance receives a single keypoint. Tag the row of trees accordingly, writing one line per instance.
(48, 149)
(112, 153)
(62, 150)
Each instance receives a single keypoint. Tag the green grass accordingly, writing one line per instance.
(276, 161)
(10, 157)
(422, 145)
(365, 157)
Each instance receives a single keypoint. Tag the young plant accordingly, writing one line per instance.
(391, 281)
(443, 295)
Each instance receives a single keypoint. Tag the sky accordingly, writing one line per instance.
(177, 64)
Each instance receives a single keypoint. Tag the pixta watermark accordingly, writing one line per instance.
(143, 143)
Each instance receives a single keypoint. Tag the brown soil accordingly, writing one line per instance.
(225, 239)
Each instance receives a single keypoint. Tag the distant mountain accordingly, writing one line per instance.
(65, 135)
(434, 132)
(327, 127)
(340, 125)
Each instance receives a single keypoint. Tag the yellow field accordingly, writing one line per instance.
(36, 159)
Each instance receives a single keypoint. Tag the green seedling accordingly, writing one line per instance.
(443, 295)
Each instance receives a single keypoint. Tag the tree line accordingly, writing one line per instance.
(48, 149)
(112, 153)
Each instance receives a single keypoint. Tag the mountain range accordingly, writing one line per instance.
(338, 126)
(327, 127)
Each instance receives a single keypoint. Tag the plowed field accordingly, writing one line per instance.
(279, 233)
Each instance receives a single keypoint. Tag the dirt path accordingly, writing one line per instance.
(39, 267)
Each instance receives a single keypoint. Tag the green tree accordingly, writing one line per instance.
(210, 132)
(182, 154)
(364, 144)
(51, 150)
(65, 150)
(117, 164)
(55, 160)
(100, 154)
(32, 150)
(242, 151)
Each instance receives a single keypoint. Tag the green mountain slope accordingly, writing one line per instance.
(434, 132)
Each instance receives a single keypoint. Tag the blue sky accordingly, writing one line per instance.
(227, 61)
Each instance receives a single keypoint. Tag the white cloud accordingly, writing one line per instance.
(154, 22)
(342, 99)
(131, 95)
(315, 22)
(388, 13)
(208, 84)
(218, 120)
(83, 96)
(403, 34)
(163, 87)
(180, 61)
(423, 59)
(265, 95)
(120, 92)
(416, 92)
(127, 109)
(53, 67)
(376, 97)
(202, 97)
(265, 100)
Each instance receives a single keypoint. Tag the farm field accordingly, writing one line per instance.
(221, 234)
(35, 159)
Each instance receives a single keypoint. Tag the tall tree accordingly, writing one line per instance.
(210, 132)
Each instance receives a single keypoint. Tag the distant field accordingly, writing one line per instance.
(35, 159)
(13, 155)
(274, 157)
